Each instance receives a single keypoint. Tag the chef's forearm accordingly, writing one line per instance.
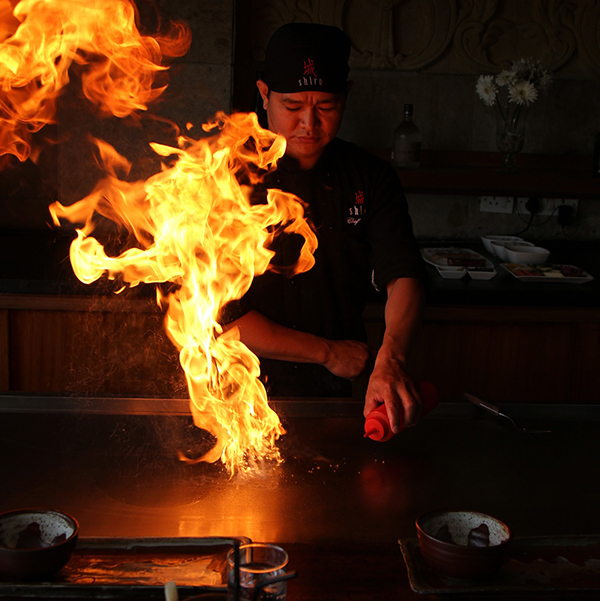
(270, 340)
(403, 313)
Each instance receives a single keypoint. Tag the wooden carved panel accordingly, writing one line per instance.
(398, 34)
(453, 36)
(385, 34)
(492, 34)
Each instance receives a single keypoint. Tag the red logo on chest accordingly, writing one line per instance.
(357, 210)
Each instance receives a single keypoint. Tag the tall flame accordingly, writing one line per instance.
(197, 228)
(119, 65)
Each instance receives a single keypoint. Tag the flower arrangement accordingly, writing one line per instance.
(511, 92)
(522, 81)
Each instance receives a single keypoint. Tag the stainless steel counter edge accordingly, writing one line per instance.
(287, 407)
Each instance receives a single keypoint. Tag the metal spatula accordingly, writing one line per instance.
(494, 410)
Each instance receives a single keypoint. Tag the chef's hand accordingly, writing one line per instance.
(347, 358)
(389, 384)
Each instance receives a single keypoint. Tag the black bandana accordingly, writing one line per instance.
(307, 57)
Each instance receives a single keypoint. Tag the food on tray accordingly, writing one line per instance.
(482, 269)
(522, 270)
(466, 261)
(548, 271)
(456, 257)
(570, 271)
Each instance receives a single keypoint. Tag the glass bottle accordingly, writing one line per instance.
(406, 149)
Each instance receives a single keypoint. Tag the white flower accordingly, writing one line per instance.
(504, 78)
(486, 90)
(522, 92)
(519, 84)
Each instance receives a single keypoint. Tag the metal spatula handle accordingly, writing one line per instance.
(483, 404)
(493, 409)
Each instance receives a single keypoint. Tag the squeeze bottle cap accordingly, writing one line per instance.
(377, 424)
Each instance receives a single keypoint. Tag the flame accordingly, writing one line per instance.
(197, 228)
(41, 39)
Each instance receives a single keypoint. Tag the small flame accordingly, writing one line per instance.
(197, 228)
(41, 39)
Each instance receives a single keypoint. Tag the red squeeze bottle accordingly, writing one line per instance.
(377, 425)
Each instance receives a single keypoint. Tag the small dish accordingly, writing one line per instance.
(35, 543)
(451, 257)
(463, 544)
(487, 241)
(452, 273)
(482, 273)
(530, 254)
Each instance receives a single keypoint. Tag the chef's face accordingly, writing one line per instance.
(307, 120)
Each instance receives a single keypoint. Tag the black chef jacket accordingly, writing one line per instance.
(357, 207)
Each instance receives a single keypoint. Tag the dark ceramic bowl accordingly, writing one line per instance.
(35, 543)
(463, 544)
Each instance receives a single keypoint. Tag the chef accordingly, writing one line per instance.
(307, 330)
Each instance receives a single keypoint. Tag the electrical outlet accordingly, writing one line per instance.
(548, 206)
(496, 204)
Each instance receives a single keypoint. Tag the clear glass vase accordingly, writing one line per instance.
(510, 133)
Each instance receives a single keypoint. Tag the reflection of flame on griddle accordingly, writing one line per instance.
(139, 463)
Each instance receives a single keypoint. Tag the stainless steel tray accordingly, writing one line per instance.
(537, 564)
(134, 568)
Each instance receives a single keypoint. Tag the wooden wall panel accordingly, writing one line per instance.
(516, 354)
(500, 354)
(98, 353)
(4, 351)
(498, 361)
(585, 365)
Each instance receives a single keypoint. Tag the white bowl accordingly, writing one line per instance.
(529, 254)
(519, 243)
(487, 241)
(452, 273)
(482, 274)
(498, 249)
